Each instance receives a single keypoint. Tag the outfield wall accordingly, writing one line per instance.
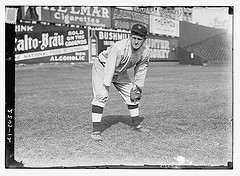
(57, 27)
(40, 43)
(165, 34)
(187, 58)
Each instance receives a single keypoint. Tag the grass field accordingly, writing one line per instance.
(187, 108)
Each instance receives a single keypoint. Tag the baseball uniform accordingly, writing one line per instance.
(112, 65)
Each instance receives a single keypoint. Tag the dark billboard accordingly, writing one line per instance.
(49, 43)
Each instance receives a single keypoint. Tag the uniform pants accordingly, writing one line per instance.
(121, 81)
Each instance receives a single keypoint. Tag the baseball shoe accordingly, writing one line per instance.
(140, 128)
(96, 136)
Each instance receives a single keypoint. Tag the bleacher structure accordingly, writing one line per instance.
(218, 47)
(199, 45)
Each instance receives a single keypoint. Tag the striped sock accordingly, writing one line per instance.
(97, 112)
(134, 113)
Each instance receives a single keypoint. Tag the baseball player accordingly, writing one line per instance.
(111, 67)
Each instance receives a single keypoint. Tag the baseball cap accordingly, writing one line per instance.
(140, 29)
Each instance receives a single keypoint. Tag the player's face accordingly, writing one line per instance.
(137, 41)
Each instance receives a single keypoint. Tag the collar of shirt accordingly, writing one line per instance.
(130, 57)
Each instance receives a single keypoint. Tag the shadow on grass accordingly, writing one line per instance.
(109, 120)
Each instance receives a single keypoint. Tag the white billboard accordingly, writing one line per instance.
(164, 26)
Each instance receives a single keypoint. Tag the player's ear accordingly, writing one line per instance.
(144, 39)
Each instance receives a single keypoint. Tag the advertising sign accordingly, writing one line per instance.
(47, 43)
(31, 13)
(100, 39)
(162, 48)
(164, 26)
(174, 13)
(183, 13)
(179, 13)
(125, 19)
(77, 15)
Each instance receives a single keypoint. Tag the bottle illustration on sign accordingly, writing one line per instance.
(94, 45)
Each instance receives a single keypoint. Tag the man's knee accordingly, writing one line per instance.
(96, 102)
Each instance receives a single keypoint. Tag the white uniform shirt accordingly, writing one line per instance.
(119, 57)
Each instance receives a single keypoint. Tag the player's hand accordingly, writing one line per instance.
(135, 87)
(135, 94)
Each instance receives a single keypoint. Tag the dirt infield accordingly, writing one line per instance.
(187, 108)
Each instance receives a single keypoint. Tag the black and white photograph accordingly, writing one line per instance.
(127, 88)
